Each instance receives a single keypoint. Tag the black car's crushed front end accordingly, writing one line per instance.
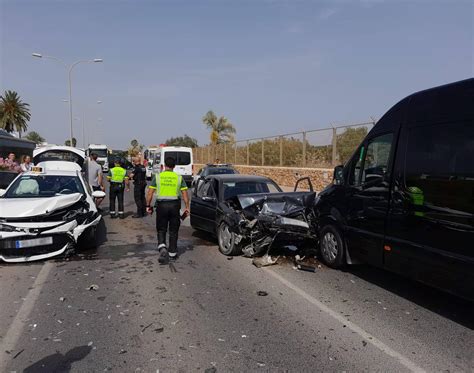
(263, 221)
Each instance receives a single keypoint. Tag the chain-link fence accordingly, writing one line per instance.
(322, 148)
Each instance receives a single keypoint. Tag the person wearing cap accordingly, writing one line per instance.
(169, 187)
(118, 179)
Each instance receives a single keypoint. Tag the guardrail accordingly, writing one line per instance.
(321, 148)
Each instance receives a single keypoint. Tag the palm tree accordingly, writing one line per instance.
(35, 137)
(222, 131)
(14, 113)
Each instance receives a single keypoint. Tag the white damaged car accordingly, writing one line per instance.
(44, 212)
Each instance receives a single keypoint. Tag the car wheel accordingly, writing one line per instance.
(226, 240)
(331, 246)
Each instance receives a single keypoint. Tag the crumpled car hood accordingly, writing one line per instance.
(284, 204)
(29, 207)
(261, 220)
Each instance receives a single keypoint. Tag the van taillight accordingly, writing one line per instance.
(192, 169)
(161, 167)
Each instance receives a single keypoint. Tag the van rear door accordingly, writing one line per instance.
(184, 161)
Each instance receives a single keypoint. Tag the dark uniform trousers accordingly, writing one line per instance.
(139, 195)
(116, 192)
(167, 216)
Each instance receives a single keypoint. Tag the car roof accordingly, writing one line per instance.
(63, 148)
(177, 148)
(218, 166)
(239, 177)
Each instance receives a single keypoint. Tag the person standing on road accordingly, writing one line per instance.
(170, 188)
(95, 177)
(118, 182)
(139, 185)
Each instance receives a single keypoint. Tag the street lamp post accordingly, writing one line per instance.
(83, 124)
(71, 67)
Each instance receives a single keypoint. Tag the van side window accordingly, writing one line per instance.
(439, 168)
(355, 172)
(372, 164)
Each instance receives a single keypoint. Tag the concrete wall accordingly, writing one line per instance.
(287, 176)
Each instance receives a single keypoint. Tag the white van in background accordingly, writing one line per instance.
(184, 161)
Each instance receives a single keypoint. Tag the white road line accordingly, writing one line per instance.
(10, 339)
(369, 338)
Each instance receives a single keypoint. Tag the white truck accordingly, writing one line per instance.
(102, 155)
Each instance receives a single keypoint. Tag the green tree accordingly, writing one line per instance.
(182, 141)
(35, 137)
(68, 142)
(14, 113)
(348, 141)
(222, 131)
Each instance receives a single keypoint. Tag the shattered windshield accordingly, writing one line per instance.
(42, 186)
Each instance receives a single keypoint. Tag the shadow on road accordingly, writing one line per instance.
(456, 309)
(205, 238)
(58, 362)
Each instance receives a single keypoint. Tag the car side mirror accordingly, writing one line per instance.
(338, 175)
(98, 194)
(2, 192)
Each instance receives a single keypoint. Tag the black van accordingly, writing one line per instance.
(405, 200)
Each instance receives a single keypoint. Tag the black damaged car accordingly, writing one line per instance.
(249, 214)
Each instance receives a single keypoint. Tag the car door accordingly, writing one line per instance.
(430, 231)
(203, 207)
(367, 199)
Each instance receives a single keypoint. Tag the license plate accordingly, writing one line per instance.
(34, 242)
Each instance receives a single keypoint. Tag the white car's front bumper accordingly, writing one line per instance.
(64, 236)
(32, 258)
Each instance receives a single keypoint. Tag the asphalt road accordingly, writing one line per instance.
(203, 313)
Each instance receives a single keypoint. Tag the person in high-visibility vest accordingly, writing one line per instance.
(118, 179)
(170, 188)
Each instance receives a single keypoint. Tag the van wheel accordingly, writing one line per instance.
(226, 240)
(331, 246)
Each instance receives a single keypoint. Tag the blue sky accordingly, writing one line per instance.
(270, 66)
